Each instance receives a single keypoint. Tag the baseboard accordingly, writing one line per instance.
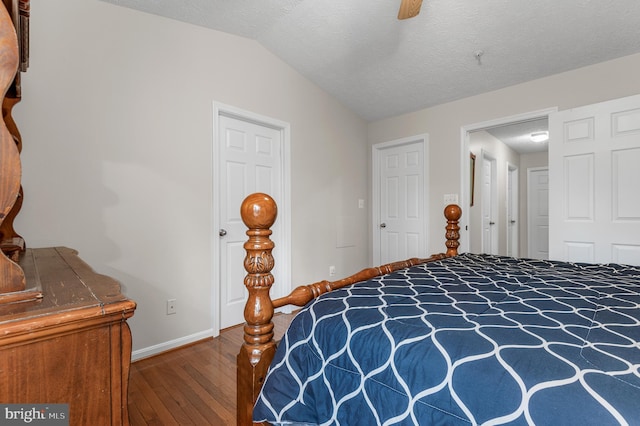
(171, 344)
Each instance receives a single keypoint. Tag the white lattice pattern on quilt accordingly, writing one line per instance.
(474, 339)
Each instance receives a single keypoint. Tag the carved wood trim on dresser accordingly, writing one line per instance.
(73, 346)
(11, 243)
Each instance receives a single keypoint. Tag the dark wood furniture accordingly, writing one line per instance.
(64, 338)
(259, 213)
(71, 347)
(11, 243)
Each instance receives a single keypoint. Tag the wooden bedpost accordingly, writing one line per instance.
(452, 212)
(259, 213)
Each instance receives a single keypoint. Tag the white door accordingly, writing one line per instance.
(538, 213)
(400, 200)
(489, 208)
(594, 153)
(512, 211)
(250, 160)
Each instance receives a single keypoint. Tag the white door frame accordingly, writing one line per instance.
(283, 253)
(375, 196)
(465, 175)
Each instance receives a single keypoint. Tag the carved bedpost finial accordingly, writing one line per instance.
(453, 213)
(258, 213)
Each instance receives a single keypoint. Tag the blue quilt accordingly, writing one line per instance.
(473, 339)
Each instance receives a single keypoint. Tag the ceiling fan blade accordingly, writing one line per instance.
(409, 8)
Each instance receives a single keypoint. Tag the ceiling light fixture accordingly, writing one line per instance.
(539, 136)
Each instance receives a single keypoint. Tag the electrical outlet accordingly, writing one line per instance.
(171, 306)
(332, 270)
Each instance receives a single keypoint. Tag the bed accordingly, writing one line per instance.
(452, 339)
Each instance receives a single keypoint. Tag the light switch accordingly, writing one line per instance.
(450, 199)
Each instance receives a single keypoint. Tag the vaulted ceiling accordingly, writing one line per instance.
(379, 66)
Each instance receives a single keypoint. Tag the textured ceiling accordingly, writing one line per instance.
(518, 135)
(380, 67)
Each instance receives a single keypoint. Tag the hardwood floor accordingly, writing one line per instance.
(192, 385)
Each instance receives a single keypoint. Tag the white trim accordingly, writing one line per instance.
(283, 255)
(464, 161)
(171, 344)
(375, 187)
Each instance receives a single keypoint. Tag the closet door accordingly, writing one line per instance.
(399, 200)
(594, 172)
(538, 212)
(251, 161)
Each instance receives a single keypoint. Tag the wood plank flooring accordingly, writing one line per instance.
(192, 385)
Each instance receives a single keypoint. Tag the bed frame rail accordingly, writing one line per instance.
(259, 213)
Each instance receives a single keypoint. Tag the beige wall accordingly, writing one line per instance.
(117, 126)
(443, 123)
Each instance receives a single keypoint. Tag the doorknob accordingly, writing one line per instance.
(513, 221)
(383, 225)
(222, 232)
(492, 223)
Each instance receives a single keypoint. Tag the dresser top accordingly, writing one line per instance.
(71, 291)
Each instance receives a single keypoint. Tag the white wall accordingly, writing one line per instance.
(443, 123)
(116, 120)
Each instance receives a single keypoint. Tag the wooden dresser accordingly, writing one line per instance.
(64, 338)
(71, 346)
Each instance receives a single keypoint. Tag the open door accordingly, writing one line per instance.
(594, 158)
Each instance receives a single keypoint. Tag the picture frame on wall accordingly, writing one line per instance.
(472, 173)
